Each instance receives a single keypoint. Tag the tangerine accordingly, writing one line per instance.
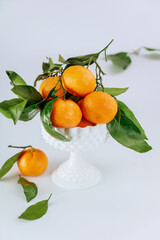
(65, 114)
(47, 85)
(78, 80)
(99, 107)
(84, 123)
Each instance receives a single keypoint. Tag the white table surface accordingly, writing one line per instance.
(125, 205)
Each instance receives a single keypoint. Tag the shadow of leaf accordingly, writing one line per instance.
(153, 56)
(10, 177)
(112, 69)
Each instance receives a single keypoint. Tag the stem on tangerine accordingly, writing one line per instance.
(23, 147)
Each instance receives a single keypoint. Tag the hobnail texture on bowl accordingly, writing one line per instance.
(77, 173)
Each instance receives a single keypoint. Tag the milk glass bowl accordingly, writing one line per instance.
(76, 172)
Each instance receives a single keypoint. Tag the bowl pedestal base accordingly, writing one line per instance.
(76, 173)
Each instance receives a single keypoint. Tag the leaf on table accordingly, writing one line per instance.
(17, 110)
(27, 92)
(113, 91)
(47, 123)
(15, 78)
(125, 132)
(30, 189)
(35, 211)
(9, 164)
(132, 117)
(151, 49)
(120, 59)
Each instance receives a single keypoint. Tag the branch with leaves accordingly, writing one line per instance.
(124, 128)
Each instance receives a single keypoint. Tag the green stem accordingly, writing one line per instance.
(100, 69)
(96, 72)
(89, 62)
(41, 77)
(62, 95)
(57, 83)
(23, 147)
(105, 55)
(136, 52)
(106, 46)
(101, 84)
(50, 196)
(64, 91)
(56, 72)
(47, 74)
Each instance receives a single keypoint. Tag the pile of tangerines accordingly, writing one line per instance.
(93, 107)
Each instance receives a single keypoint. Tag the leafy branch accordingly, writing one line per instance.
(123, 59)
(29, 101)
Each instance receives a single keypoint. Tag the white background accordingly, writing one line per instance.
(126, 204)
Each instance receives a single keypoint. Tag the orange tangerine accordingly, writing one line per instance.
(78, 80)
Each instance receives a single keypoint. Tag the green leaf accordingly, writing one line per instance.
(50, 62)
(82, 60)
(47, 123)
(113, 91)
(30, 112)
(125, 132)
(57, 66)
(27, 92)
(151, 49)
(7, 104)
(9, 164)
(129, 114)
(15, 78)
(17, 110)
(24, 108)
(47, 66)
(9, 107)
(30, 188)
(85, 59)
(61, 59)
(35, 211)
(120, 59)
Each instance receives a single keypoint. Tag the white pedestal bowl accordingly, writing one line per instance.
(76, 173)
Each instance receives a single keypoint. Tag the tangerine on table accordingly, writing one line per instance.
(47, 85)
(99, 107)
(65, 114)
(78, 80)
(32, 162)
